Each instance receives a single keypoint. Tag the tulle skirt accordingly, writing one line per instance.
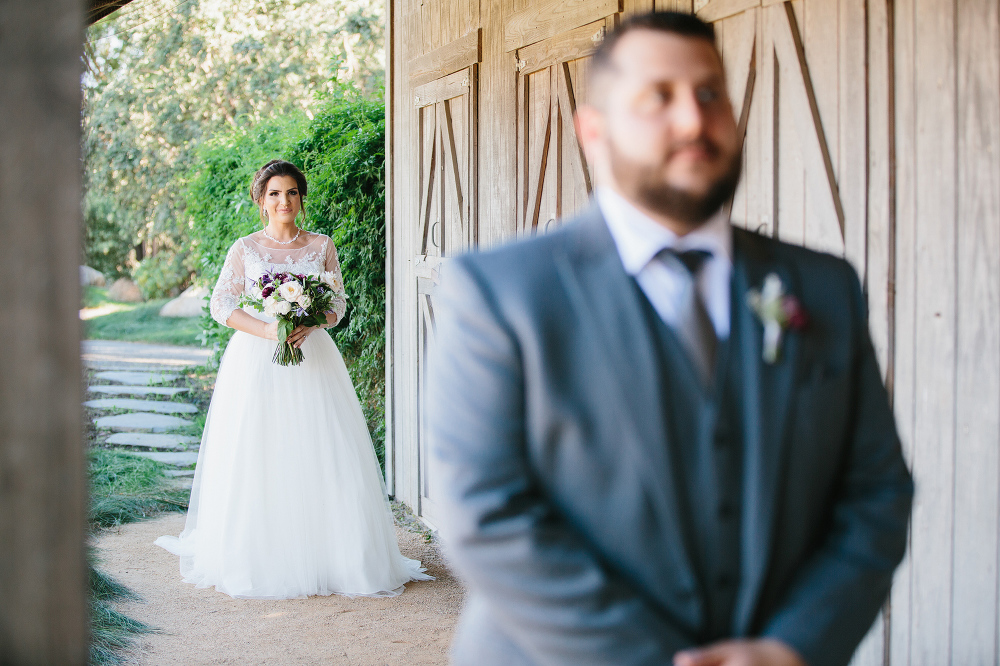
(288, 499)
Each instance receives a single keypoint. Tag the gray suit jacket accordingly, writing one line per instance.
(550, 463)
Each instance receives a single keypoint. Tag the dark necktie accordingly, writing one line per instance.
(694, 325)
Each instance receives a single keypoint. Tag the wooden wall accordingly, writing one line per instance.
(872, 130)
(43, 609)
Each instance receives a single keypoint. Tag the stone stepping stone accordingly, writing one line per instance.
(142, 421)
(180, 473)
(136, 378)
(152, 441)
(142, 405)
(137, 390)
(177, 459)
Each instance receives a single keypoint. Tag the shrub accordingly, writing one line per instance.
(342, 152)
(165, 274)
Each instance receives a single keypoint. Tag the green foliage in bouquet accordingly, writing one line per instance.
(342, 152)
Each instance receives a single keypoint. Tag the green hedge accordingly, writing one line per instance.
(342, 152)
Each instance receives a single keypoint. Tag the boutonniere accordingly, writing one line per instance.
(778, 311)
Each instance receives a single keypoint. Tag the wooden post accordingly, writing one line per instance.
(43, 617)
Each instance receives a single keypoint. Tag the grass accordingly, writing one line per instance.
(111, 632)
(135, 322)
(126, 488)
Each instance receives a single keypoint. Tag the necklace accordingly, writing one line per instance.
(287, 242)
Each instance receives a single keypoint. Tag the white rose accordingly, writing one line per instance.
(291, 290)
(304, 301)
(270, 303)
(331, 280)
(283, 308)
(255, 292)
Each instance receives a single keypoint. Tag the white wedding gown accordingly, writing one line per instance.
(288, 499)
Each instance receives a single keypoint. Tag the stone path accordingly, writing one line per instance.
(115, 355)
(145, 427)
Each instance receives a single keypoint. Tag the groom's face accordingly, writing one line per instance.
(659, 126)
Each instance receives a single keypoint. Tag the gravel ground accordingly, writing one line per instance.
(208, 627)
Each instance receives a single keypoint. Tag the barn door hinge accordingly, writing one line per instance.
(598, 36)
(520, 64)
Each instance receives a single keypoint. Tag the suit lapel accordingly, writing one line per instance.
(607, 302)
(767, 397)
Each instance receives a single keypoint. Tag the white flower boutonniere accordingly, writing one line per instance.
(778, 311)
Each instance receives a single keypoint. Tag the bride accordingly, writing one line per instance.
(288, 499)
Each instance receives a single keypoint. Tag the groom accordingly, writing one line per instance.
(656, 438)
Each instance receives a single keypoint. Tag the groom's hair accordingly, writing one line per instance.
(674, 23)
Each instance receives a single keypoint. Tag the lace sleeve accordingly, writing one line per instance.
(339, 303)
(229, 288)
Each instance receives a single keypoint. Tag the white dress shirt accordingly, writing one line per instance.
(639, 239)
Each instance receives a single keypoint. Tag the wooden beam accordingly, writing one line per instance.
(453, 85)
(43, 617)
(459, 54)
(576, 43)
(720, 9)
(553, 17)
(98, 9)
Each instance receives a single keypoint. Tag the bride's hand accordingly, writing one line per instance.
(299, 335)
(271, 331)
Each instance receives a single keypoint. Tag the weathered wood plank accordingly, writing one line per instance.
(716, 10)
(576, 43)
(827, 209)
(852, 132)
(977, 391)
(791, 198)
(553, 17)
(43, 615)
(392, 27)
(497, 131)
(935, 352)
(753, 176)
(880, 250)
(631, 7)
(905, 250)
(456, 55)
(768, 156)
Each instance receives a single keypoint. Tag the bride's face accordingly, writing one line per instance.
(281, 200)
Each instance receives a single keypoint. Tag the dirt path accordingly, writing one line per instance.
(208, 627)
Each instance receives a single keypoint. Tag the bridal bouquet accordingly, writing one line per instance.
(294, 300)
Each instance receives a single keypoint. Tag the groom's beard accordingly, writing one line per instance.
(646, 186)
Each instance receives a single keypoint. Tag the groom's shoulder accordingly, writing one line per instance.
(807, 262)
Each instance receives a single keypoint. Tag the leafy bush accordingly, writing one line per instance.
(342, 152)
(165, 274)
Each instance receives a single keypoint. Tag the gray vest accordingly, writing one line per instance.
(705, 438)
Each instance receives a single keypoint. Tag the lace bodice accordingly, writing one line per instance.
(248, 260)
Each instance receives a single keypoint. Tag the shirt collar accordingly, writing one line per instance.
(639, 238)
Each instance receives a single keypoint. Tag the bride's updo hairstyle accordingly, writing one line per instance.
(269, 171)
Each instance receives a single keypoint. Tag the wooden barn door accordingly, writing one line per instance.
(798, 83)
(446, 124)
(551, 46)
